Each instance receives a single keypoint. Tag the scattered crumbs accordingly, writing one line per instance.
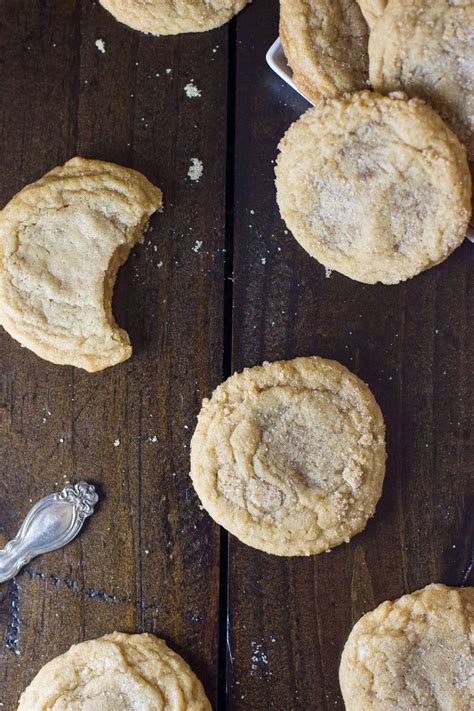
(168, 71)
(153, 438)
(214, 49)
(328, 272)
(252, 212)
(159, 265)
(191, 90)
(147, 551)
(116, 443)
(100, 44)
(197, 245)
(436, 330)
(61, 440)
(157, 75)
(258, 656)
(196, 169)
(263, 260)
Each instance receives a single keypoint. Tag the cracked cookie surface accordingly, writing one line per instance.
(290, 456)
(325, 44)
(172, 17)
(426, 48)
(118, 672)
(62, 240)
(377, 188)
(372, 10)
(412, 654)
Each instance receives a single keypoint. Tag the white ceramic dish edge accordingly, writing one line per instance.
(276, 60)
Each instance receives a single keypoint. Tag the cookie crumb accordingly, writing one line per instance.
(100, 44)
(192, 91)
(197, 246)
(116, 443)
(196, 169)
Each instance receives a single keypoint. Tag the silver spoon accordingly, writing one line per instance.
(52, 523)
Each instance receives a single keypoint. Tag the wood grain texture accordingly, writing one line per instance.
(288, 619)
(149, 558)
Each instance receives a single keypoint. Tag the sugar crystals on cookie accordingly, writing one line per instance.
(116, 672)
(325, 43)
(414, 653)
(172, 17)
(290, 456)
(375, 187)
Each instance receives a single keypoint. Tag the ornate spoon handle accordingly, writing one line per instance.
(52, 523)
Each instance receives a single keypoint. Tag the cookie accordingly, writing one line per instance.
(118, 672)
(377, 188)
(290, 456)
(372, 10)
(62, 240)
(426, 48)
(172, 17)
(325, 44)
(412, 654)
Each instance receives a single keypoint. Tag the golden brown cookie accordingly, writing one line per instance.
(372, 10)
(413, 654)
(172, 17)
(118, 672)
(62, 240)
(290, 456)
(325, 44)
(377, 188)
(426, 48)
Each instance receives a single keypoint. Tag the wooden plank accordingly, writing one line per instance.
(289, 618)
(149, 558)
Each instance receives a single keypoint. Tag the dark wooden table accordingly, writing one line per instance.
(262, 632)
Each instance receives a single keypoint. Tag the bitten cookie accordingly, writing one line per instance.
(426, 48)
(377, 188)
(118, 672)
(290, 456)
(325, 44)
(172, 17)
(372, 10)
(62, 240)
(412, 654)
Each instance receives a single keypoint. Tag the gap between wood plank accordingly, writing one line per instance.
(227, 349)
